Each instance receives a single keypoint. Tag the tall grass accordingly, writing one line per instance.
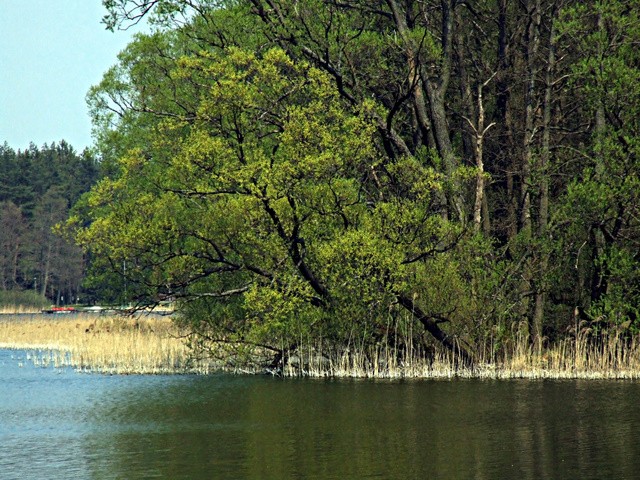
(150, 344)
(613, 354)
(109, 344)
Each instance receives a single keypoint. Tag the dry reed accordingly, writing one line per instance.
(151, 344)
(613, 355)
(610, 354)
(108, 344)
(18, 309)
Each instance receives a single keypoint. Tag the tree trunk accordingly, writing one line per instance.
(431, 326)
(15, 258)
(533, 43)
(479, 131)
(543, 200)
(46, 269)
(435, 89)
(505, 150)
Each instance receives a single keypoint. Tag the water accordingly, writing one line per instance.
(59, 424)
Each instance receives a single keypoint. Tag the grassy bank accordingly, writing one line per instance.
(152, 344)
(110, 344)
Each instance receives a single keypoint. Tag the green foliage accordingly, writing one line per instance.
(27, 175)
(601, 206)
(620, 303)
(22, 299)
(269, 214)
(291, 170)
(37, 188)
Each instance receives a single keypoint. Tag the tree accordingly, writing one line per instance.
(37, 187)
(502, 144)
(270, 204)
(56, 263)
(602, 201)
(12, 242)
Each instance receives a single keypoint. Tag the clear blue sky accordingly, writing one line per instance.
(51, 53)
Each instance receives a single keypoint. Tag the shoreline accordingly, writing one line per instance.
(149, 344)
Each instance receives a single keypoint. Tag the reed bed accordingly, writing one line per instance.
(613, 355)
(18, 309)
(152, 344)
(106, 344)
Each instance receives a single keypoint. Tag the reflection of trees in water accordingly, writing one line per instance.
(171, 427)
(256, 427)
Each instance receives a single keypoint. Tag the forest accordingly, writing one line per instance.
(350, 174)
(38, 186)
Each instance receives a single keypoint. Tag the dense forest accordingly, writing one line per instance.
(37, 188)
(373, 172)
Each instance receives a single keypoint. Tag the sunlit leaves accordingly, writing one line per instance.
(256, 191)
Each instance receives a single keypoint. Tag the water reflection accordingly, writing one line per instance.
(70, 425)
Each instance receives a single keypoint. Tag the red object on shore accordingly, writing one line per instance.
(60, 310)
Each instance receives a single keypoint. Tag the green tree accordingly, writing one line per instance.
(497, 190)
(271, 215)
(602, 202)
(12, 242)
(37, 188)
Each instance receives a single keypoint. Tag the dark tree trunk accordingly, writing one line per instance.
(431, 325)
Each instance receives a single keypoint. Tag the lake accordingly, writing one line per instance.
(61, 424)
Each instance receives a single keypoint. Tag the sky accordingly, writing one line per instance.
(51, 53)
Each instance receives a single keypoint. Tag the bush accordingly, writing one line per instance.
(18, 300)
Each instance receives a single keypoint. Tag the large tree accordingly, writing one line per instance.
(493, 188)
(269, 209)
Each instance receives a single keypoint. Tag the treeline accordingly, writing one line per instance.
(37, 188)
(366, 170)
